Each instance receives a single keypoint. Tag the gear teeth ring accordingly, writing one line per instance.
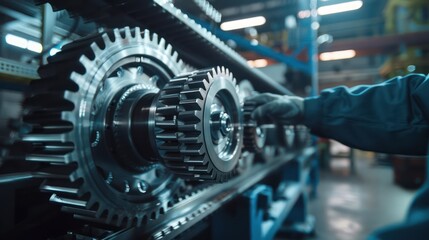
(60, 109)
(182, 144)
(254, 137)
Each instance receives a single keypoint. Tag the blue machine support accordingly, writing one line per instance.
(263, 210)
(241, 221)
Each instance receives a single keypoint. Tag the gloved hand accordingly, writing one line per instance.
(272, 108)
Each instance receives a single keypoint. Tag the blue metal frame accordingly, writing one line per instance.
(261, 211)
(259, 49)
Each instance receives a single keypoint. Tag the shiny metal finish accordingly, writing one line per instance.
(204, 136)
(254, 135)
(100, 167)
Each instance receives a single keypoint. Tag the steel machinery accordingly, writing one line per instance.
(143, 132)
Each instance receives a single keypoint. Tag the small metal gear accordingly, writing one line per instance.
(254, 136)
(199, 125)
(97, 165)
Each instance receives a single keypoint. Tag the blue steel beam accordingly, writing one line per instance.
(259, 49)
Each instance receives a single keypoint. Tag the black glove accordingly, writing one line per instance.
(272, 108)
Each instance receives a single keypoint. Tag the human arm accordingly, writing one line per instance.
(391, 117)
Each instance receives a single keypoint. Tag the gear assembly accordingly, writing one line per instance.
(130, 136)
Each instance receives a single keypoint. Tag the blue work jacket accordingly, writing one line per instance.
(390, 117)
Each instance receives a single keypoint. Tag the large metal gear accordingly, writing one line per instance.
(98, 165)
(200, 132)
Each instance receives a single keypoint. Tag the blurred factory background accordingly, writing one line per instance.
(304, 45)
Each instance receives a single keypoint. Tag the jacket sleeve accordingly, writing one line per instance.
(391, 117)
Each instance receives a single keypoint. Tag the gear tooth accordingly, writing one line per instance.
(66, 115)
(167, 98)
(155, 38)
(195, 149)
(146, 36)
(179, 80)
(223, 69)
(127, 32)
(200, 160)
(80, 211)
(162, 44)
(171, 88)
(178, 168)
(166, 110)
(56, 159)
(198, 170)
(45, 137)
(189, 128)
(169, 49)
(117, 34)
(172, 158)
(209, 76)
(138, 33)
(106, 40)
(198, 84)
(166, 124)
(166, 136)
(78, 78)
(60, 187)
(68, 201)
(95, 48)
(189, 116)
(192, 94)
(175, 56)
(56, 172)
(190, 139)
(192, 104)
(181, 64)
(86, 62)
(173, 147)
(218, 71)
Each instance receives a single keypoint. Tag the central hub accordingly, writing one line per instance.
(220, 123)
(225, 123)
(132, 125)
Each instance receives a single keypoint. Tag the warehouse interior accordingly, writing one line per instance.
(214, 119)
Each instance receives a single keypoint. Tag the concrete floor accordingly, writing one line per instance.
(352, 205)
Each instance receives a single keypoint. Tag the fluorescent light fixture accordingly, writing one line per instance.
(243, 23)
(16, 41)
(34, 46)
(340, 7)
(258, 63)
(23, 43)
(337, 55)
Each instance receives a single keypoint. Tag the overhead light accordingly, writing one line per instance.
(304, 14)
(16, 41)
(243, 23)
(23, 43)
(324, 38)
(34, 46)
(258, 63)
(340, 7)
(337, 55)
